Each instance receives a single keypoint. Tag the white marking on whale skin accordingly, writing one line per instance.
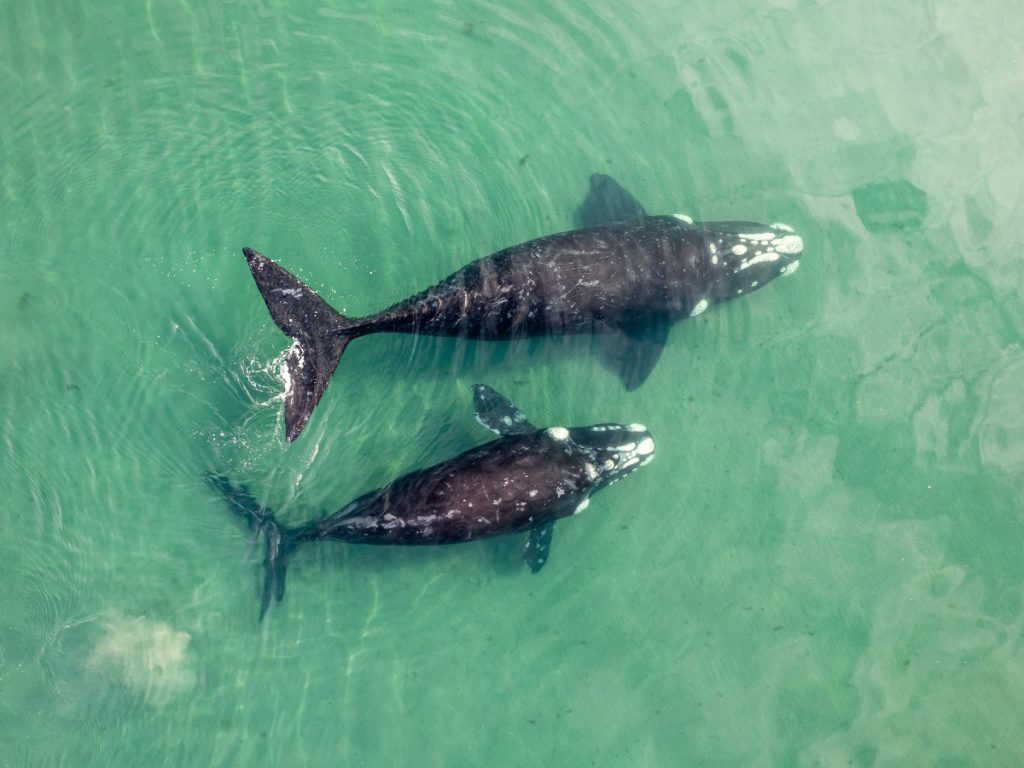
(636, 427)
(292, 293)
(533, 492)
(631, 461)
(790, 268)
(759, 259)
(592, 472)
(699, 307)
(646, 447)
(558, 433)
(625, 448)
(758, 237)
(790, 244)
(559, 491)
(683, 218)
(780, 226)
(609, 464)
(739, 249)
(582, 505)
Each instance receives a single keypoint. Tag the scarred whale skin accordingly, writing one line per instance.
(627, 281)
(524, 481)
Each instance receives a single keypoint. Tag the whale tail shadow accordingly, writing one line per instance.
(320, 335)
(280, 541)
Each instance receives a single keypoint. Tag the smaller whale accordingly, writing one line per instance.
(625, 277)
(524, 481)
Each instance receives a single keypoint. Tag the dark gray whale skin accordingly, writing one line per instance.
(525, 480)
(627, 281)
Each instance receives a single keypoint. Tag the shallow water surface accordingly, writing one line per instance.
(821, 567)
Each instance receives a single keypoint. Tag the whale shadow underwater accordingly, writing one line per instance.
(625, 277)
(525, 480)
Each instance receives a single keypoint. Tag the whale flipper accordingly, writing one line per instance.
(538, 545)
(320, 333)
(634, 351)
(494, 411)
(607, 202)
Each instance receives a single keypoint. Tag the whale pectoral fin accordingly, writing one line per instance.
(634, 351)
(495, 412)
(537, 546)
(606, 202)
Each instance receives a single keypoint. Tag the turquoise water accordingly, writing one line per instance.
(822, 565)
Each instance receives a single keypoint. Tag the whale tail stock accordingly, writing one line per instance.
(280, 541)
(320, 335)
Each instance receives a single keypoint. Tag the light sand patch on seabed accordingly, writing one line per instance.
(148, 656)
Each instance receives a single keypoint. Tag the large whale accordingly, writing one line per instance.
(625, 275)
(524, 481)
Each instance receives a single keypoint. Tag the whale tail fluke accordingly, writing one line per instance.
(320, 335)
(280, 541)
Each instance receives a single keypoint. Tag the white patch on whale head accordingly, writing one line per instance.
(791, 245)
(558, 433)
(683, 218)
(790, 268)
(646, 447)
(781, 227)
(739, 249)
(699, 307)
(636, 427)
(582, 505)
(760, 258)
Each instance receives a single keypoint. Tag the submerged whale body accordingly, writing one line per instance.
(625, 275)
(524, 481)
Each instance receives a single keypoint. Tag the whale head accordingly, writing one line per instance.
(611, 451)
(743, 256)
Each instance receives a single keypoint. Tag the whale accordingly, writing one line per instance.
(523, 481)
(624, 276)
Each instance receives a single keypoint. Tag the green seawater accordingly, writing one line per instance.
(821, 567)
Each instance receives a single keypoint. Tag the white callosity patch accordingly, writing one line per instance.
(683, 218)
(790, 268)
(636, 427)
(739, 250)
(789, 244)
(558, 433)
(646, 447)
(582, 505)
(592, 473)
(699, 307)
